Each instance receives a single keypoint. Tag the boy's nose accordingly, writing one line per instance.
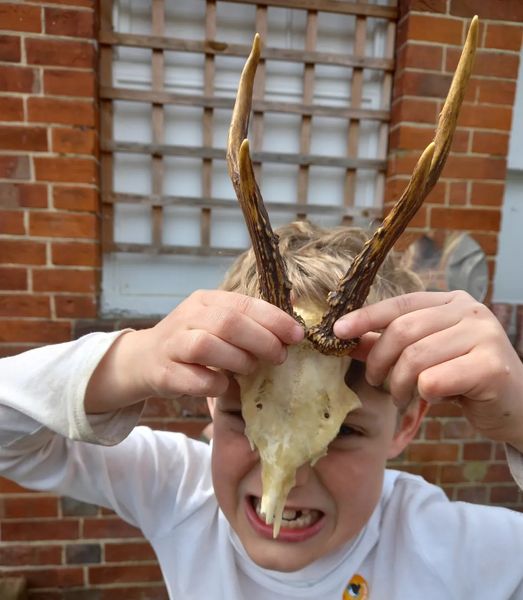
(303, 474)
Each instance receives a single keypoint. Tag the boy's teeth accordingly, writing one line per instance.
(294, 519)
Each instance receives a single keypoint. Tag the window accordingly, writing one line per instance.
(169, 74)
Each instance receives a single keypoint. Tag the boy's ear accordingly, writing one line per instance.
(408, 425)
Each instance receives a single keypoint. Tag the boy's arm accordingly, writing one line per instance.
(45, 388)
(187, 352)
(443, 346)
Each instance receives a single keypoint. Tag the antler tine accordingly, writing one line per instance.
(274, 284)
(353, 289)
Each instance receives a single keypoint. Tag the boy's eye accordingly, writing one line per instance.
(347, 431)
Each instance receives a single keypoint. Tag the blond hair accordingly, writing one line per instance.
(316, 259)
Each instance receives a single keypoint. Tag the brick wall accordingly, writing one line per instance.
(49, 252)
(467, 198)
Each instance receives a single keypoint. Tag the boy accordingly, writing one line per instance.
(352, 528)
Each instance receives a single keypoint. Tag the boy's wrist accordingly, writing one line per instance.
(117, 382)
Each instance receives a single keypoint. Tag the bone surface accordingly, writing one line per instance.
(292, 412)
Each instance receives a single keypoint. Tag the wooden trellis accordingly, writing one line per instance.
(210, 47)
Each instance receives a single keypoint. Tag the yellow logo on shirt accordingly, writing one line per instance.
(357, 589)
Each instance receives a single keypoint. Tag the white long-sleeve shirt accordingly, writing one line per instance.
(416, 546)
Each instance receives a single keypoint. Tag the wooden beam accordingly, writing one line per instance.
(212, 47)
(210, 153)
(113, 93)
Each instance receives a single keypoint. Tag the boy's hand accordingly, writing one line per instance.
(186, 352)
(443, 346)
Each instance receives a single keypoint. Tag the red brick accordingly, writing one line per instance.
(30, 139)
(65, 112)
(11, 109)
(507, 494)
(10, 487)
(35, 331)
(12, 222)
(452, 474)
(487, 194)
(488, 242)
(76, 307)
(486, 117)
(23, 195)
(465, 219)
(415, 110)
(429, 28)
(14, 167)
(76, 198)
(65, 280)
(420, 56)
(57, 577)
(493, 143)
(35, 505)
(411, 137)
(76, 254)
(495, 91)
(155, 591)
(60, 53)
(508, 10)
(27, 555)
(10, 50)
(109, 528)
(22, 252)
(498, 473)
(66, 170)
(128, 551)
(60, 82)
(477, 494)
(487, 63)
(437, 452)
(432, 429)
(458, 429)
(20, 17)
(477, 450)
(475, 167)
(13, 279)
(19, 79)
(71, 23)
(74, 141)
(503, 36)
(62, 224)
(414, 83)
(22, 305)
(123, 574)
(458, 194)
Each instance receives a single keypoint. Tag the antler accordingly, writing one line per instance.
(354, 287)
(275, 286)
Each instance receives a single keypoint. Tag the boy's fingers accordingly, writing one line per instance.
(409, 336)
(270, 317)
(364, 346)
(201, 348)
(375, 317)
(193, 380)
(438, 348)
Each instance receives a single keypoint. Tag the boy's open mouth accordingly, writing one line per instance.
(298, 524)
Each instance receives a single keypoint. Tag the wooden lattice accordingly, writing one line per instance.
(210, 47)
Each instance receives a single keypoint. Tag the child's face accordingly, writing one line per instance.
(336, 496)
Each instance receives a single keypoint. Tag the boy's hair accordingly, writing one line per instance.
(317, 258)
